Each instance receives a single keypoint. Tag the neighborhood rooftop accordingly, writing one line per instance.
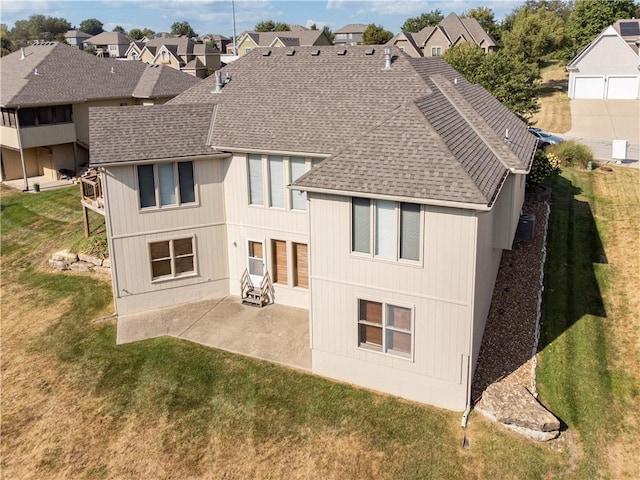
(417, 129)
(54, 73)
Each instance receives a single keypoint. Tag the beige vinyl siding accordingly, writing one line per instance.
(47, 135)
(437, 39)
(609, 55)
(438, 289)
(9, 137)
(261, 223)
(132, 229)
(506, 211)
(12, 163)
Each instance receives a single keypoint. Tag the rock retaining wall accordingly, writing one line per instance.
(67, 260)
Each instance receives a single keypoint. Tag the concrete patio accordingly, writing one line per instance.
(275, 333)
(45, 182)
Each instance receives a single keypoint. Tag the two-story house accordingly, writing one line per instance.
(451, 31)
(300, 38)
(110, 44)
(77, 38)
(375, 190)
(47, 89)
(350, 34)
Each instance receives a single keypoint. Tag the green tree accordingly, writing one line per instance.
(376, 35)
(119, 29)
(535, 34)
(330, 35)
(38, 27)
(182, 28)
(271, 26)
(508, 77)
(415, 24)
(92, 26)
(137, 33)
(6, 47)
(589, 18)
(486, 19)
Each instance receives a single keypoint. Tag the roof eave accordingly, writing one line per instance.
(186, 158)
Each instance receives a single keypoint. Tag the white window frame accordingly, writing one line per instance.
(437, 50)
(396, 238)
(384, 349)
(176, 180)
(172, 257)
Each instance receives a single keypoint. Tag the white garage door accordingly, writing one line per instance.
(588, 87)
(622, 87)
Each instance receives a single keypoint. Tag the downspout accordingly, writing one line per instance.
(24, 167)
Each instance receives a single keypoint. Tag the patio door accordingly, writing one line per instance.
(255, 261)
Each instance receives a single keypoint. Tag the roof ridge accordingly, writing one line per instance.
(478, 124)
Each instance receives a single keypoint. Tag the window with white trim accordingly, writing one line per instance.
(436, 51)
(269, 175)
(386, 328)
(166, 184)
(390, 230)
(172, 258)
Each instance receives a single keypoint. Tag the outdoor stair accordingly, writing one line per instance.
(256, 296)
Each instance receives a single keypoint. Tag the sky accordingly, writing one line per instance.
(215, 16)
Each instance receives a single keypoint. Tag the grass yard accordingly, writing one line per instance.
(589, 372)
(555, 111)
(75, 405)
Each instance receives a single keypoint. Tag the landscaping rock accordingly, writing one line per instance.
(59, 264)
(513, 406)
(106, 262)
(81, 266)
(90, 259)
(65, 256)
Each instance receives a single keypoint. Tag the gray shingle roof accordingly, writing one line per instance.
(116, 135)
(418, 130)
(304, 37)
(110, 38)
(68, 75)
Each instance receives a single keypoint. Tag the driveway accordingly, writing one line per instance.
(275, 333)
(597, 122)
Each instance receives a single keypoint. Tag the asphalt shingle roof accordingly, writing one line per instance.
(417, 130)
(68, 75)
(163, 140)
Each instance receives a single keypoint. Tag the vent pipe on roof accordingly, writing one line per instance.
(218, 81)
(35, 72)
(455, 81)
(387, 58)
(22, 54)
(506, 134)
(112, 70)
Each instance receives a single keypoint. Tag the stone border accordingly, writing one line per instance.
(66, 260)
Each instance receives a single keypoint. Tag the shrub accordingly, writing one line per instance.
(544, 166)
(571, 154)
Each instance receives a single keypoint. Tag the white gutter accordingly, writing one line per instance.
(161, 160)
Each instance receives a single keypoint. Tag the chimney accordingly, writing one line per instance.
(387, 58)
(23, 55)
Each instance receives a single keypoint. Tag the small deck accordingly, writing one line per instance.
(275, 333)
(91, 192)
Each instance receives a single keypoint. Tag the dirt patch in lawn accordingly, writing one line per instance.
(555, 110)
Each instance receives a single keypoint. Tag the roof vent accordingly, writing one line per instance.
(112, 70)
(315, 53)
(291, 53)
(342, 52)
(387, 58)
(369, 51)
(35, 72)
(23, 55)
(506, 134)
(266, 53)
(455, 81)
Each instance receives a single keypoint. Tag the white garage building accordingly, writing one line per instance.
(608, 68)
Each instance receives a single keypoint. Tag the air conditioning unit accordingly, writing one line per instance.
(526, 227)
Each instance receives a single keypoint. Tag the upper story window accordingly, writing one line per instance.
(436, 51)
(268, 176)
(166, 184)
(32, 117)
(389, 230)
(8, 117)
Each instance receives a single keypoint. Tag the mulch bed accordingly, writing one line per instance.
(510, 332)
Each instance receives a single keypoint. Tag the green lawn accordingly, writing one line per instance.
(75, 405)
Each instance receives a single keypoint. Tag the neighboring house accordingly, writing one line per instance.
(220, 41)
(304, 38)
(180, 53)
(350, 34)
(381, 205)
(76, 38)
(110, 44)
(609, 66)
(451, 31)
(47, 89)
